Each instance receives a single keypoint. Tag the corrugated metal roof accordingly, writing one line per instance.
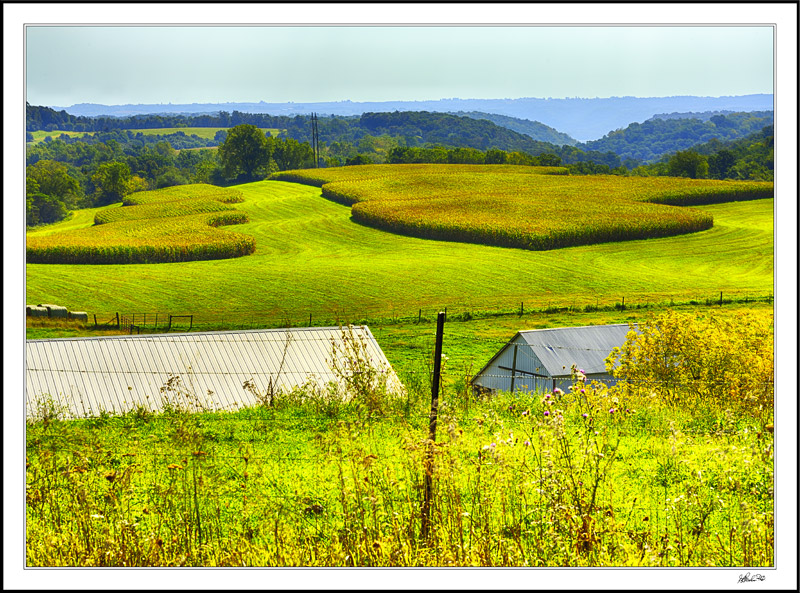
(84, 376)
(557, 349)
(585, 347)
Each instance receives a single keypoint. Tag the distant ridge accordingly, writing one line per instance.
(582, 119)
(704, 116)
(534, 129)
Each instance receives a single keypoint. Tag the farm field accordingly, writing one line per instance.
(150, 227)
(311, 258)
(40, 135)
(204, 133)
(536, 208)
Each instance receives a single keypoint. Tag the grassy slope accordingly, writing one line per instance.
(205, 133)
(311, 257)
(40, 135)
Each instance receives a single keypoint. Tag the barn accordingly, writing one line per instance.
(226, 370)
(542, 359)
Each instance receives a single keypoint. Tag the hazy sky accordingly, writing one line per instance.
(200, 64)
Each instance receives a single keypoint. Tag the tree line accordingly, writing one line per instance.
(345, 137)
(748, 158)
(649, 141)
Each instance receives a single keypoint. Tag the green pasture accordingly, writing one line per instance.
(40, 135)
(311, 258)
(204, 133)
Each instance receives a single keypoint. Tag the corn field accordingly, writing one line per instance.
(528, 207)
(170, 225)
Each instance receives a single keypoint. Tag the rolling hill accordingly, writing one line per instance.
(311, 258)
(582, 118)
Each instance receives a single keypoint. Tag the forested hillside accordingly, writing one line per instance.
(701, 115)
(370, 136)
(414, 127)
(534, 129)
(582, 118)
(654, 138)
(751, 158)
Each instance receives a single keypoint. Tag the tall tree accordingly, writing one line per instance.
(719, 164)
(53, 179)
(291, 154)
(495, 156)
(244, 151)
(112, 182)
(687, 163)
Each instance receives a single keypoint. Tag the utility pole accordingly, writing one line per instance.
(315, 138)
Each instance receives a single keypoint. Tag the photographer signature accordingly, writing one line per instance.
(746, 578)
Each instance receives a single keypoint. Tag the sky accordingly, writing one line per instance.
(66, 65)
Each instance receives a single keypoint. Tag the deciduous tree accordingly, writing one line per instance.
(244, 151)
(112, 182)
(687, 163)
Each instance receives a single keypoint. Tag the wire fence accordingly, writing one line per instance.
(328, 316)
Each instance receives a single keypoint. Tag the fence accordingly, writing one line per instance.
(425, 313)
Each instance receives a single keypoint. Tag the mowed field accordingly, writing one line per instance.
(204, 133)
(311, 257)
(40, 135)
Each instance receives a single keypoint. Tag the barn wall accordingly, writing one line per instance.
(497, 376)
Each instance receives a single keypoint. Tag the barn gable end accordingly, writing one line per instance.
(545, 358)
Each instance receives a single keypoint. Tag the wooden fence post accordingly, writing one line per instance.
(95, 320)
(118, 321)
(437, 377)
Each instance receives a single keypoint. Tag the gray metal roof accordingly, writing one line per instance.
(84, 376)
(559, 348)
(585, 347)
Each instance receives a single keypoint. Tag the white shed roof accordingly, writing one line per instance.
(84, 376)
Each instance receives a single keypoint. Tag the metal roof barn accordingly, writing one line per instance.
(83, 377)
(542, 359)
